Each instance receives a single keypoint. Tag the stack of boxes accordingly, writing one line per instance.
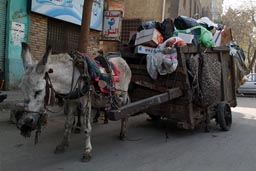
(147, 41)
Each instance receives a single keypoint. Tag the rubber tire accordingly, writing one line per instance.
(224, 116)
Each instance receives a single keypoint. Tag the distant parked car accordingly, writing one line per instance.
(249, 87)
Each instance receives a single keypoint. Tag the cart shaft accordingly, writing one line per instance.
(138, 106)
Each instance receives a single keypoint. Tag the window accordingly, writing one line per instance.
(62, 36)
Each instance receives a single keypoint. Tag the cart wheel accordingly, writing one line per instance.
(224, 116)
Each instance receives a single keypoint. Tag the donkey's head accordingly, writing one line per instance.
(33, 88)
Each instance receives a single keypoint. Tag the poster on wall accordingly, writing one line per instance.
(70, 11)
(112, 25)
(17, 33)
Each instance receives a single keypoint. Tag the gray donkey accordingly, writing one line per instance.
(64, 77)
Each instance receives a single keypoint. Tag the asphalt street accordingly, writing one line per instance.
(147, 148)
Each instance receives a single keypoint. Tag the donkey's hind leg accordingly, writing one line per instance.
(124, 121)
(87, 154)
(68, 110)
(78, 123)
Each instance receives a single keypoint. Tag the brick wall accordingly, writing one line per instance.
(94, 39)
(38, 35)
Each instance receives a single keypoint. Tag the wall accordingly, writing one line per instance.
(174, 8)
(17, 12)
(151, 10)
(94, 39)
(206, 8)
(38, 35)
(185, 7)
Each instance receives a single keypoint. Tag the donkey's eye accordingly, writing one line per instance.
(37, 93)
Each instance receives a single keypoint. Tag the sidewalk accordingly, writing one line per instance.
(13, 97)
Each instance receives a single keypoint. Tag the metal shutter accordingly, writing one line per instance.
(63, 36)
(3, 4)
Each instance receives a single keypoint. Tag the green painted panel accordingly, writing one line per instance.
(17, 31)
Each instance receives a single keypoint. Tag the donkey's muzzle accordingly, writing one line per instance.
(28, 126)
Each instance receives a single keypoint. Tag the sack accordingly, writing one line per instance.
(239, 63)
(206, 79)
(183, 22)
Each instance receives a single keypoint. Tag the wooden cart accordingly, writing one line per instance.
(171, 96)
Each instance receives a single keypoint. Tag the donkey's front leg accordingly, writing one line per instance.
(68, 111)
(87, 154)
(124, 121)
(123, 131)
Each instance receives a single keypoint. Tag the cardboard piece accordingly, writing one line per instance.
(186, 37)
(145, 50)
(150, 37)
(226, 36)
(221, 38)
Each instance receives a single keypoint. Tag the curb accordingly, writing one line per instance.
(13, 97)
(9, 105)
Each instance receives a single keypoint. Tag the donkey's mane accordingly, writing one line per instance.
(57, 58)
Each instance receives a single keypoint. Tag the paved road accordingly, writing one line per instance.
(146, 150)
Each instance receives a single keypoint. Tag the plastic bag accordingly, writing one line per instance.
(147, 25)
(205, 36)
(162, 64)
(183, 22)
(172, 42)
(207, 23)
(166, 28)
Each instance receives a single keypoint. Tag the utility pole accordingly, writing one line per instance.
(251, 64)
(85, 28)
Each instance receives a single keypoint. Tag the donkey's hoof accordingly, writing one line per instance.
(122, 137)
(60, 149)
(87, 157)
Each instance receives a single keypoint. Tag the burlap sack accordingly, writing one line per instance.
(206, 79)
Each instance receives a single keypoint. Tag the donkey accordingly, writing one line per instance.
(65, 77)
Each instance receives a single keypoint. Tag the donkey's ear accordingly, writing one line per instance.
(26, 55)
(41, 64)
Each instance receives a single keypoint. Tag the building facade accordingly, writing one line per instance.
(20, 24)
(14, 21)
(159, 10)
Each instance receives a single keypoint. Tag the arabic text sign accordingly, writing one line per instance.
(112, 25)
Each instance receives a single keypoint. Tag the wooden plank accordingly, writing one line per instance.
(141, 105)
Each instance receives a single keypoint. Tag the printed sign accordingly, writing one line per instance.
(18, 33)
(70, 11)
(112, 25)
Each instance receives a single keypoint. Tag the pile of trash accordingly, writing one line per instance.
(158, 41)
